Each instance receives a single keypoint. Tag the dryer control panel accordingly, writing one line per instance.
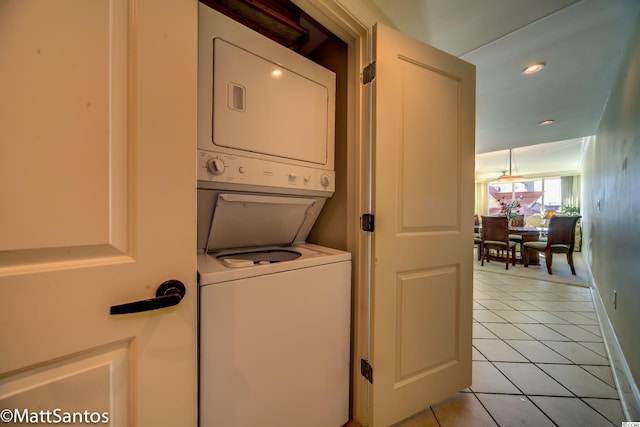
(230, 169)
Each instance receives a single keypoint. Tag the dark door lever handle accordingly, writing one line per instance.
(168, 294)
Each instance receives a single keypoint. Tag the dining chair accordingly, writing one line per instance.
(517, 221)
(495, 235)
(477, 241)
(561, 238)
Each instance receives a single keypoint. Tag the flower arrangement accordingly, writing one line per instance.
(511, 209)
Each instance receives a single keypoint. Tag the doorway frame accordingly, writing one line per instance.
(352, 21)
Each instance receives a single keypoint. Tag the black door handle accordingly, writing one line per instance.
(168, 294)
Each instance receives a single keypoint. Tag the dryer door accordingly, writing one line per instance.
(260, 106)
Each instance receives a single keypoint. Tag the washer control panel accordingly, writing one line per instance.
(214, 167)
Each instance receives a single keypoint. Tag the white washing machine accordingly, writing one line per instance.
(274, 340)
(274, 320)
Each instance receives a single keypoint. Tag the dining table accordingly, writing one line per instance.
(529, 234)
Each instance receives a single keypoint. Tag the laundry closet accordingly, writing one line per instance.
(274, 301)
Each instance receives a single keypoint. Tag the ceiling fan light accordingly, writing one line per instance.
(533, 68)
(546, 122)
(510, 177)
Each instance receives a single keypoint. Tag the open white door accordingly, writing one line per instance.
(421, 317)
(97, 196)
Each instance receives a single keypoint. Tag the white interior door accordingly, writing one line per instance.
(424, 103)
(97, 208)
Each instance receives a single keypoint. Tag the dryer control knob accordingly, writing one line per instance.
(215, 166)
(324, 180)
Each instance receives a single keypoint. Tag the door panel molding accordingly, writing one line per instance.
(437, 287)
(62, 386)
(66, 112)
(429, 191)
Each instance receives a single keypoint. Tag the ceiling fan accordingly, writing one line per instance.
(510, 177)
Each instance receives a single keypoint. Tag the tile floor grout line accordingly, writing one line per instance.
(485, 408)
(545, 324)
(601, 414)
(543, 371)
(528, 362)
(572, 363)
(533, 339)
(521, 396)
(435, 416)
(569, 339)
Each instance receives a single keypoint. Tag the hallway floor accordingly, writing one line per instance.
(538, 359)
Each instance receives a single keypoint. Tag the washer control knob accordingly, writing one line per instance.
(242, 169)
(307, 178)
(215, 166)
(324, 180)
(292, 176)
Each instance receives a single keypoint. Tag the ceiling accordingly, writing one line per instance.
(581, 43)
(559, 158)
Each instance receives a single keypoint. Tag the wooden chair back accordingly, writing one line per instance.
(495, 228)
(495, 235)
(518, 221)
(562, 231)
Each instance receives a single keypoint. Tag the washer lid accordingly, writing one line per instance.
(247, 220)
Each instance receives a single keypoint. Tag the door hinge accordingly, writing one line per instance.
(368, 222)
(366, 370)
(369, 73)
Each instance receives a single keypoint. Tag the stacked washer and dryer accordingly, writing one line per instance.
(274, 311)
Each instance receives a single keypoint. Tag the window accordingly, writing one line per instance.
(536, 196)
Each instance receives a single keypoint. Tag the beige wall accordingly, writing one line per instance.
(331, 228)
(611, 179)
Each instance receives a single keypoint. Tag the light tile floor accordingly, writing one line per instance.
(538, 360)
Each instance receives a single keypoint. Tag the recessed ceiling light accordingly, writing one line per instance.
(546, 122)
(533, 68)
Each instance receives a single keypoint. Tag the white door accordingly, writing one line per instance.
(424, 103)
(97, 208)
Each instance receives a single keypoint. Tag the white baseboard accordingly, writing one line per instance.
(625, 384)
